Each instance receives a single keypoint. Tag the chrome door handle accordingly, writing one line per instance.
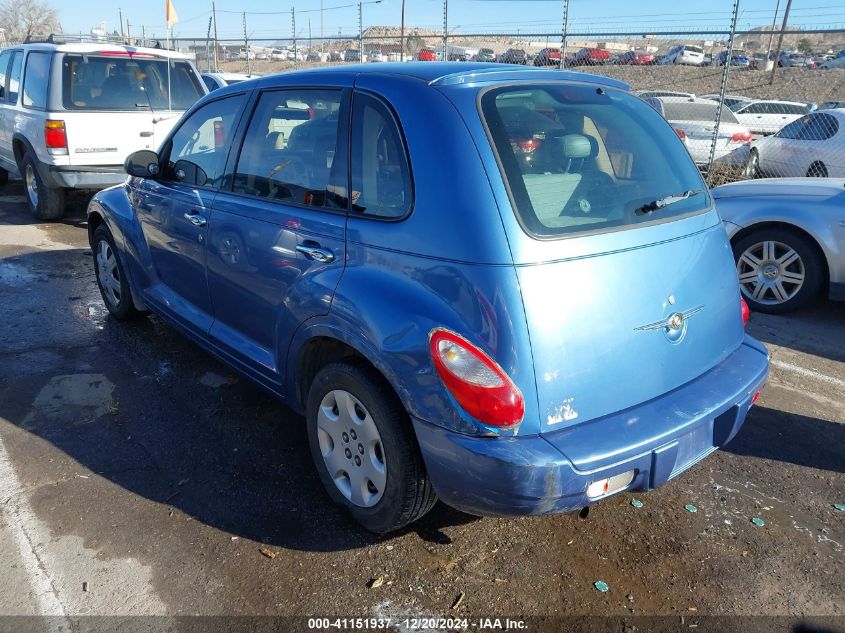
(195, 219)
(315, 253)
(146, 134)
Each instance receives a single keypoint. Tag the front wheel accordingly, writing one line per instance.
(45, 203)
(111, 279)
(752, 165)
(779, 270)
(364, 448)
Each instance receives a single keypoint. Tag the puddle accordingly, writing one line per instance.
(75, 399)
(15, 275)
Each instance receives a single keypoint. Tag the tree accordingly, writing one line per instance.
(19, 18)
(805, 45)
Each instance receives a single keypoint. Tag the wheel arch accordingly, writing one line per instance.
(20, 146)
(793, 228)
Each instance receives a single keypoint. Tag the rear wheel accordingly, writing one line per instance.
(778, 270)
(45, 203)
(364, 448)
(817, 170)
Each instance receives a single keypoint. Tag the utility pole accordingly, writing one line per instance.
(445, 29)
(128, 32)
(120, 13)
(293, 31)
(772, 34)
(214, 15)
(564, 27)
(360, 31)
(310, 43)
(322, 41)
(402, 35)
(246, 48)
(780, 41)
(143, 34)
(208, 45)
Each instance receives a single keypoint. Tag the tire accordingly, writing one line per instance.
(402, 492)
(775, 263)
(751, 169)
(817, 170)
(45, 203)
(111, 279)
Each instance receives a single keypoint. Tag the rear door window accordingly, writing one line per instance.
(138, 82)
(35, 80)
(577, 159)
(5, 56)
(381, 178)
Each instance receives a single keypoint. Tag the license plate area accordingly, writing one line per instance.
(693, 447)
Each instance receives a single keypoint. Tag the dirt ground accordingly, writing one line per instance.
(140, 477)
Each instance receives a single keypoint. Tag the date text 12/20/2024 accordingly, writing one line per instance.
(417, 624)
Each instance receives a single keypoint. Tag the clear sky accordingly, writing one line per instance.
(468, 16)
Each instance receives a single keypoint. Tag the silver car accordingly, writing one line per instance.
(694, 121)
(788, 239)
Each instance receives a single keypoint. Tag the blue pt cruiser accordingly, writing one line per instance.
(502, 287)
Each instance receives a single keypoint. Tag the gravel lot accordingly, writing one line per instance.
(138, 476)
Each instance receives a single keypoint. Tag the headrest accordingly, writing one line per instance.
(576, 146)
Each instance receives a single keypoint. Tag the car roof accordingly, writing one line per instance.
(451, 73)
(755, 101)
(686, 100)
(229, 76)
(97, 47)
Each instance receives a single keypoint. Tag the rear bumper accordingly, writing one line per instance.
(550, 473)
(83, 177)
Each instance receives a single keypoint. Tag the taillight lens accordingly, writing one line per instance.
(741, 137)
(526, 146)
(681, 134)
(478, 384)
(55, 136)
(746, 313)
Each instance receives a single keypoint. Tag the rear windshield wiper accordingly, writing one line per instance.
(654, 205)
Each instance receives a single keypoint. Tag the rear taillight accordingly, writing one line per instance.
(681, 134)
(741, 137)
(746, 313)
(55, 135)
(478, 384)
(526, 146)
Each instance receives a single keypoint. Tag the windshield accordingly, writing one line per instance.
(578, 158)
(128, 83)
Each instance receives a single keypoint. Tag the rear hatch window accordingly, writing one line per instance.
(130, 82)
(696, 112)
(581, 159)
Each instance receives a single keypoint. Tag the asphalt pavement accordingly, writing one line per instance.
(141, 477)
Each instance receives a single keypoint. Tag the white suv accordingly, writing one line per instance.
(684, 54)
(70, 113)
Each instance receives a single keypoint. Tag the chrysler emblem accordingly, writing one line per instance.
(675, 322)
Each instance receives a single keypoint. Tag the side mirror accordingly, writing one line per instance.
(142, 164)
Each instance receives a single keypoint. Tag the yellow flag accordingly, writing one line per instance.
(172, 18)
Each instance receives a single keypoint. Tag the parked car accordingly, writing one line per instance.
(738, 58)
(71, 113)
(262, 56)
(591, 57)
(548, 57)
(635, 58)
(352, 55)
(426, 55)
(513, 56)
(792, 60)
(213, 81)
(314, 56)
(685, 54)
(784, 240)
(245, 54)
(734, 102)
(767, 117)
(832, 105)
(427, 353)
(694, 121)
(648, 94)
(376, 57)
(837, 62)
(813, 145)
(279, 55)
(484, 55)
